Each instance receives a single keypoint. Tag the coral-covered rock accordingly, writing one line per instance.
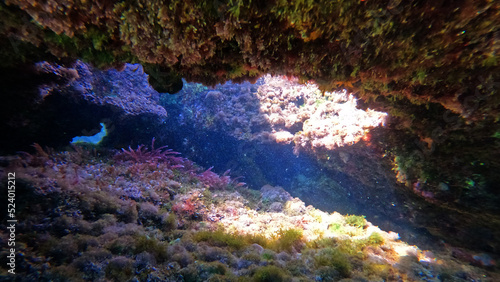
(125, 91)
(63, 102)
(376, 49)
(280, 110)
(270, 193)
(244, 243)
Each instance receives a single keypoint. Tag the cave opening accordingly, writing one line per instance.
(281, 133)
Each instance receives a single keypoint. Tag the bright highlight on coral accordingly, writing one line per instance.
(313, 119)
(279, 109)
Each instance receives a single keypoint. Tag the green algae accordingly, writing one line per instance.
(375, 239)
(356, 220)
(284, 240)
(335, 258)
(270, 273)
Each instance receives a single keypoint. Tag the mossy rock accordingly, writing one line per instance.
(270, 273)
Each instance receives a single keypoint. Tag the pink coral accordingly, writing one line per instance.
(154, 155)
(215, 181)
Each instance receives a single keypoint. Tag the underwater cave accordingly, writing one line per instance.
(250, 141)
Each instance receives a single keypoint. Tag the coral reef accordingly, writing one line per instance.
(375, 49)
(431, 65)
(278, 109)
(125, 91)
(115, 218)
(378, 160)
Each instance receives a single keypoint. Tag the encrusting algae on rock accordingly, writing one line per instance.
(147, 214)
(432, 65)
(279, 109)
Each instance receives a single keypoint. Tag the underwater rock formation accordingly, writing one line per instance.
(428, 51)
(277, 110)
(437, 76)
(126, 92)
(61, 102)
(431, 65)
(382, 164)
(145, 214)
